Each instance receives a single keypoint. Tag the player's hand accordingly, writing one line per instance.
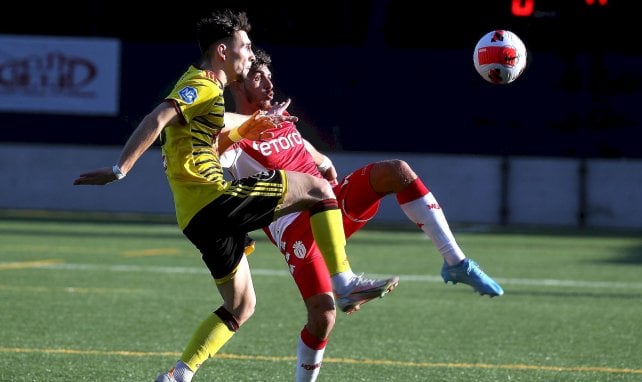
(277, 109)
(97, 177)
(331, 175)
(257, 126)
(328, 171)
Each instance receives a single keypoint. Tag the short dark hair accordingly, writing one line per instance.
(261, 58)
(219, 25)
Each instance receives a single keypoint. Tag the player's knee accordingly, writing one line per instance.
(397, 168)
(321, 315)
(243, 311)
(305, 190)
(320, 189)
(391, 176)
(320, 323)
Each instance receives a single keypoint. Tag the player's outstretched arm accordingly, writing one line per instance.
(141, 139)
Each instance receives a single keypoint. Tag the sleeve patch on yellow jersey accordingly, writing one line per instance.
(188, 94)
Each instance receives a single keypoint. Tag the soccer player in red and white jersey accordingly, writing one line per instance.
(359, 195)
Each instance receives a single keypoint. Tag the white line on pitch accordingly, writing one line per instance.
(415, 278)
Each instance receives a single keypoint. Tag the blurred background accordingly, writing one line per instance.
(386, 76)
(359, 70)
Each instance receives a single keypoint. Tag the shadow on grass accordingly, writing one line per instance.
(631, 256)
(576, 294)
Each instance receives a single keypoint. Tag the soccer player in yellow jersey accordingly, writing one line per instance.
(214, 214)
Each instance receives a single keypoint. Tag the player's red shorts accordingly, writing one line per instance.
(358, 202)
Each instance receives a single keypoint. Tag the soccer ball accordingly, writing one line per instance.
(500, 57)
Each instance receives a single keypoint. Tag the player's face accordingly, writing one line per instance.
(240, 56)
(258, 88)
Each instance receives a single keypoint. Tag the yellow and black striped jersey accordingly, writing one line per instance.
(189, 148)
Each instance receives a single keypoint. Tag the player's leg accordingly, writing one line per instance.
(217, 328)
(421, 207)
(313, 338)
(326, 221)
(306, 192)
(222, 243)
(305, 262)
(418, 203)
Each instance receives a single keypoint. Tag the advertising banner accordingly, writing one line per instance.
(59, 75)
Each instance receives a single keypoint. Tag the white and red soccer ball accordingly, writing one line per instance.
(500, 57)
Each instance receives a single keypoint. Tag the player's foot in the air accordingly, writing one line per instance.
(362, 290)
(469, 272)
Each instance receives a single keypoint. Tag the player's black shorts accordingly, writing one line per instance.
(219, 229)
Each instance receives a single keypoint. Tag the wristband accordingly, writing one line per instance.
(118, 172)
(234, 135)
(324, 165)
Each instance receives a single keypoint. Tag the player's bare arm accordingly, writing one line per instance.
(324, 164)
(141, 139)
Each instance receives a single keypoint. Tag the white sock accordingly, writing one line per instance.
(308, 362)
(341, 281)
(182, 372)
(427, 214)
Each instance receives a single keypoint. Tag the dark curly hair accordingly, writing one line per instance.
(219, 25)
(261, 58)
